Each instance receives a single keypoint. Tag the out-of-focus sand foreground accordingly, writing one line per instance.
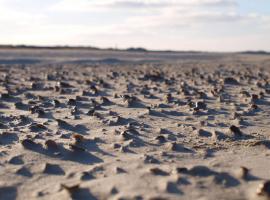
(91, 124)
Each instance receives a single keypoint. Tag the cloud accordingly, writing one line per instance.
(146, 15)
(167, 3)
(86, 5)
(12, 17)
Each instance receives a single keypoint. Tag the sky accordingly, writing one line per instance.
(205, 25)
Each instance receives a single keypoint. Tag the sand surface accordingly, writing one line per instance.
(119, 125)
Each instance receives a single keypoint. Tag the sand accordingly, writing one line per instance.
(119, 125)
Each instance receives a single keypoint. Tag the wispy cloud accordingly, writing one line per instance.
(86, 5)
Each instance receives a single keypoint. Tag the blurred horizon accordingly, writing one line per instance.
(177, 25)
(130, 49)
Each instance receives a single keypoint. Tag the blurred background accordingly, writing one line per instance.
(205, 25)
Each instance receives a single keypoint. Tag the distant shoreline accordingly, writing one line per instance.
(131, 49)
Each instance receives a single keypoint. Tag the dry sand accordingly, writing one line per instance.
(121, 125)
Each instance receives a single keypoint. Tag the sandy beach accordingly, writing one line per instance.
(117, 125)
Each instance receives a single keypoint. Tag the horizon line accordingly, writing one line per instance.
(129, 49)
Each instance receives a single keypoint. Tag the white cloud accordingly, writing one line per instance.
(86, 5)
(18, 17)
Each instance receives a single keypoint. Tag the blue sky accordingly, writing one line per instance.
(212, 25)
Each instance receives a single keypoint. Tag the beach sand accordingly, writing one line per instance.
(78, 124)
